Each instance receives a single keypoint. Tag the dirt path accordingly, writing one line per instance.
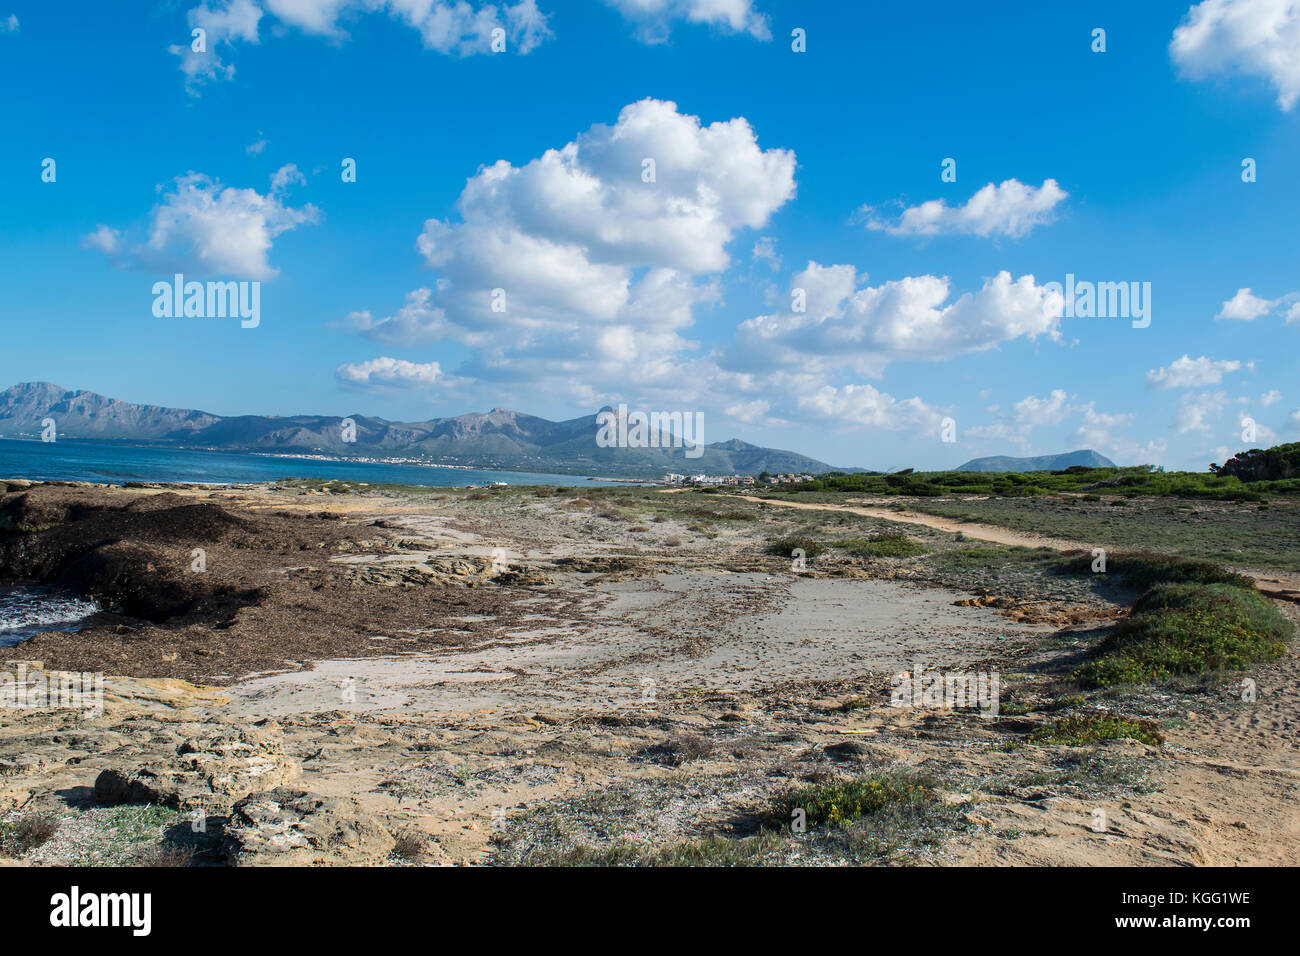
(1276, 584)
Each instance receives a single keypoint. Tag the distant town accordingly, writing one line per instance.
(764, 479)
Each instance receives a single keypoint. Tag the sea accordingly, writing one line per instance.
(25, 611)
(114, 464)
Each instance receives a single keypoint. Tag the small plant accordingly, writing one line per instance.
(885, 544)
(409, 846)
(678, 750)
(167, 855)
(1082, 730)
(785, 547)
(27, 833)
(838, 803)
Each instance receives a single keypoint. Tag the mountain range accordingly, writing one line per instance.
(500, 439)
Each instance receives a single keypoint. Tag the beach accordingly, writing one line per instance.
(542, 675)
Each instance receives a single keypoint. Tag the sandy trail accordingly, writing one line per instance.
(1277, 584)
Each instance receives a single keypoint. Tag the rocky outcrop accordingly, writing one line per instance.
(286, 827)
(211, 772)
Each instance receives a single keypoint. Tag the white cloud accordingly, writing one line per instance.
(255, 148)
(1258, 38)
(453, 27)
(1095, 428)
(201, 224)
(103, 239)
(599, 271)
(866, 405)
(1196, 411)
(908, 318)
(1293, 314)
(655, 18)
(749, 412)
(1270, 398)
(1293, 421)
(765, 251)
(1188, 372)
(389, 372)
(1246, 306)
(415, 323)
(1010, 209)
(1031, 412)
(10, 24)
(1034, 411)
(223, 23)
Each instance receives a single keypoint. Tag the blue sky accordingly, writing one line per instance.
(775, 171)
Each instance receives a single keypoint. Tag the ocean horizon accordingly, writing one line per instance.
(113, 463)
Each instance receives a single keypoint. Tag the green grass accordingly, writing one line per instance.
(1084, 730)
(986, 556)
(1189, 630)
(887, 544)
(1136, 481)
(785, 547)
(1143, 570)
(838, 803)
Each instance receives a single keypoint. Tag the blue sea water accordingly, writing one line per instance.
(111, 463)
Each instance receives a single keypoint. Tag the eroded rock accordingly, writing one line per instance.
(210, 771)
(287, 827)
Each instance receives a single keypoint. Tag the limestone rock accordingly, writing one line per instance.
(212, 771)
(287, 827)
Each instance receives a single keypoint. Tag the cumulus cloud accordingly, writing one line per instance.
(222, 24)
(1095, 429)
(915, 317)
(1246, 306)
(389, 372)
(453, 27)
(655, 18)
(103, 239)
(1010, 209)
(1259, 38)
(1187, 372)
(1056, 408)
(1270, 398)
(415, 323)
(202, 224)
(574, 272)
(866, 405)
(1197, 411)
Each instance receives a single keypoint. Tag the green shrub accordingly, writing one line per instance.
(1189, 630)
(785, 547)
(1142, 570)
(835, 804)
(1082, 730)
(892, 543)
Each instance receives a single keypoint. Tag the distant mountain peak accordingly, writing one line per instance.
(501, 439)
(1084, 457)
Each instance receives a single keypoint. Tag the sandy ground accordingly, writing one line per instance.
(681, 633)
(695, 689)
